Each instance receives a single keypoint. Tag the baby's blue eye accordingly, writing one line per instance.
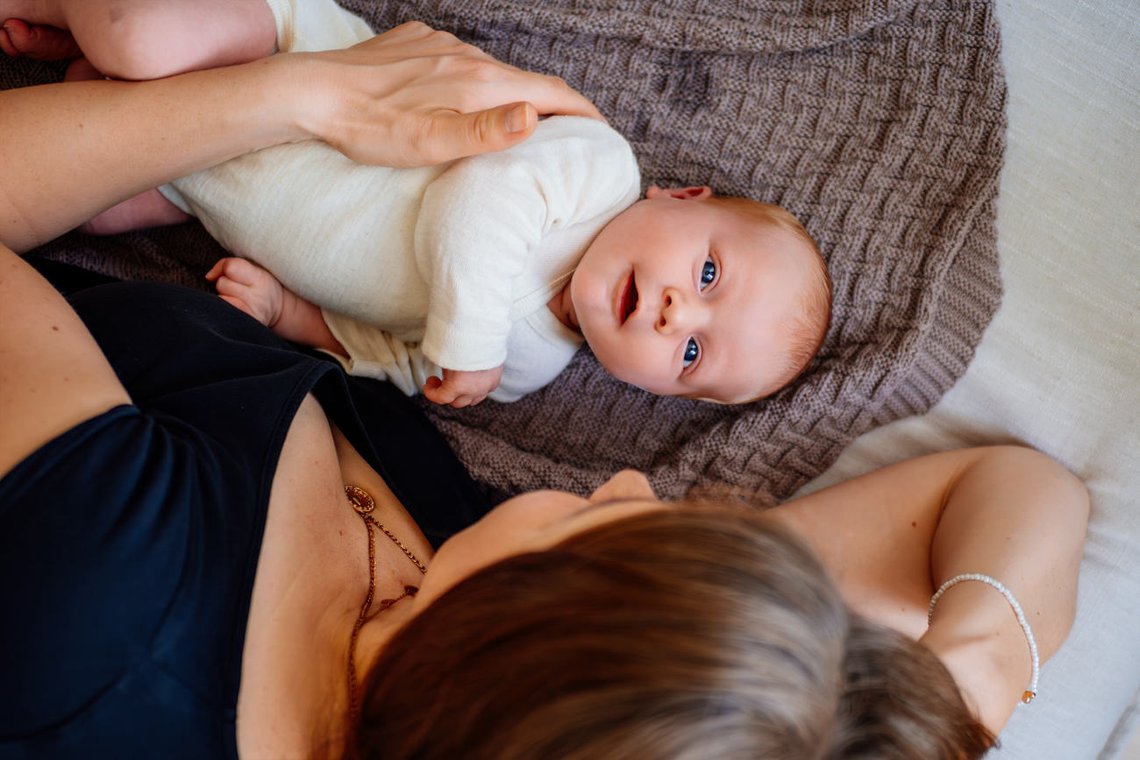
(692, 351)
(708, 272)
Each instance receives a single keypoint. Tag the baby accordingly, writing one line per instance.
(481, 277)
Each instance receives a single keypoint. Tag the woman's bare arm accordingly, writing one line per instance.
(891, 537)
(52, 374)
(122, 138)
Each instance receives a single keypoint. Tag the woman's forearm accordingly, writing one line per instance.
(84, 146)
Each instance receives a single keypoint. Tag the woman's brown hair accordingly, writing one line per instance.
(685, 633)
(900, 703)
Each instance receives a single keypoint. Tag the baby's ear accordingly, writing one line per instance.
(693, 193)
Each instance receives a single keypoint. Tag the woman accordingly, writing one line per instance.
(206, 479)
(620, 627)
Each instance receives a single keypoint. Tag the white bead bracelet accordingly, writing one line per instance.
(1028, 695)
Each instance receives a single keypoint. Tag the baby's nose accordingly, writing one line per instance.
(676, 312)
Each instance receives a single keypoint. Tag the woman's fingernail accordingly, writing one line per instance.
(518, 119)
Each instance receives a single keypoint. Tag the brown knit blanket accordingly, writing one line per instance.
(880, 123)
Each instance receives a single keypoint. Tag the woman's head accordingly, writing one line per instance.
(687, 632)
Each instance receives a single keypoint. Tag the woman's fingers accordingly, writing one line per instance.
(551, 95)
(486, 77)
(415, 96)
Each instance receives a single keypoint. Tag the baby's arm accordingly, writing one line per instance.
(258, 293)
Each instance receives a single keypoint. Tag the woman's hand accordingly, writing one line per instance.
(414, 96)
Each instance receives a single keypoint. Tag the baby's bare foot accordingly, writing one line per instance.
(35, 41)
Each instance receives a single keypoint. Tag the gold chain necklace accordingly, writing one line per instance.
(364, 505)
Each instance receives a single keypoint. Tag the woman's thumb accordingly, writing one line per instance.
(495, 128)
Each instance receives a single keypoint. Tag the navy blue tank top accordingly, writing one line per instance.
(128, 545)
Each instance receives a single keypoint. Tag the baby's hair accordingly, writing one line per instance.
(809, 327)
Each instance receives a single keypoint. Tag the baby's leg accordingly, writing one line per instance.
(148, 39)
(147, 209)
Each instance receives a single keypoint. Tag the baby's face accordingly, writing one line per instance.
(684, 297)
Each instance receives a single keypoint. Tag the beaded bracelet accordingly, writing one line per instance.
(1028, 695)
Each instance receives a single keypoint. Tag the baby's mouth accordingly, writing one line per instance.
(628, 299)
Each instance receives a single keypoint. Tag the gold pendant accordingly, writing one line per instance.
(360, 499)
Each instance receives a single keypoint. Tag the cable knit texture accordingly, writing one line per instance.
(879, 123)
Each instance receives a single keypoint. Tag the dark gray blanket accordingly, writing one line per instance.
(879, 123)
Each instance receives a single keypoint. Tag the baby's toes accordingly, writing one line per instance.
(6, 44)
(38, 42)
